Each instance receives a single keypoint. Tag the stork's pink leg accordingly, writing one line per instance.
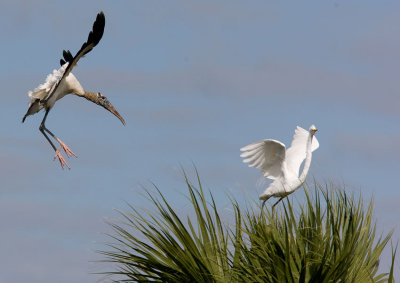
(68, 152)
(61, 159)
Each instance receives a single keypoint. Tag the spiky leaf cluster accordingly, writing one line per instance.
(330, 238)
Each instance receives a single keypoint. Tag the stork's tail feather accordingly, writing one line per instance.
(33, 108)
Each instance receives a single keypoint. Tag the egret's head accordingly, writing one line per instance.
(312, 130)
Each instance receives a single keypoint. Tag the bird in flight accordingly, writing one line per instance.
(62, 82)
(281, 165)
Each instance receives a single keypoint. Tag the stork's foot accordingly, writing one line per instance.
(61, 159)
(68, 152)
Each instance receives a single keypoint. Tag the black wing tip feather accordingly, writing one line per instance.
(98, 29)
(100, 17)
(96, 33)
(94, 38)
(67, 57)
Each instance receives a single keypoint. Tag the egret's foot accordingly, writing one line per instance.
(61, 159)
(68, 152)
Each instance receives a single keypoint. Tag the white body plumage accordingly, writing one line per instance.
(69, 85)
(281, 165)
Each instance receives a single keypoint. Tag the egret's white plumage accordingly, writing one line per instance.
(62, 82)
(281, 165)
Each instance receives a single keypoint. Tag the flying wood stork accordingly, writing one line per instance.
(62, 82)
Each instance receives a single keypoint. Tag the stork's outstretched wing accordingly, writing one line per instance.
(67, 57)
(267, 154)
(93, 39)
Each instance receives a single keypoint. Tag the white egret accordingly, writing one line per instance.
(62, 82)
(281, 165)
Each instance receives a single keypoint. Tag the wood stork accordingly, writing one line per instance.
(62, 82)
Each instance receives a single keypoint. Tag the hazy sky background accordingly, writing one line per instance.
(195, 81)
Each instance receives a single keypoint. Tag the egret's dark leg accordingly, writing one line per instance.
(263, 203)
(277, 202)
(58, 155)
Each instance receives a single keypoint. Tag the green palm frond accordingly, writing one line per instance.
(334, 243)
(329, 238)
(171, 249)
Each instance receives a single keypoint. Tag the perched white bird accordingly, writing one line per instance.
(281, 165)
(62, 82)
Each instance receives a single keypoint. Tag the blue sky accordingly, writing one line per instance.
(195, 81)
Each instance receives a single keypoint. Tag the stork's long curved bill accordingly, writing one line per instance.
(100, 99)
(103, 101)
(115, 112)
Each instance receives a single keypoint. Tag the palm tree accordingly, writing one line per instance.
(330, 238)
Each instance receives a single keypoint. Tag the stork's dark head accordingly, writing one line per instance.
(103, 101)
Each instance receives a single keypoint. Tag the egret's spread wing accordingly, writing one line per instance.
(267, 154)
(296, 153)
(93, 39)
